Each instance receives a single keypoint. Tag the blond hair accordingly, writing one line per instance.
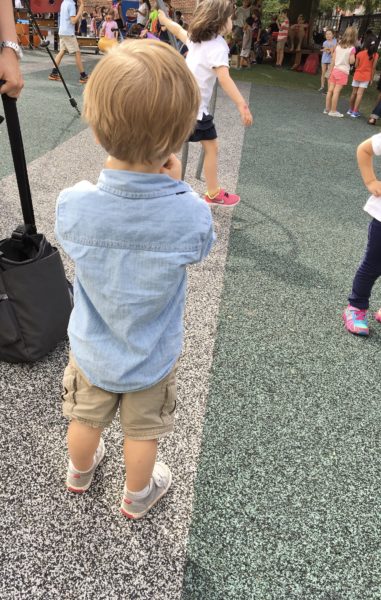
(209, 19)
(349, 37)
(141, 101)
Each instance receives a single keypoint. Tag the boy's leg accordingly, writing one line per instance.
(59, 56)
(140, 458)
(78, 60)
(82, 441)
(210, 166)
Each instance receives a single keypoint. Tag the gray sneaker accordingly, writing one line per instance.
(80, 482)
(161, 482)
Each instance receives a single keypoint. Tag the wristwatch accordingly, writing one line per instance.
(14, 47)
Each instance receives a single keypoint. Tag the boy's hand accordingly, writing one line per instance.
(246, 116)
(172, 168)
(374, 187)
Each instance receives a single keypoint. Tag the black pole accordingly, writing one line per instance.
(45, 44)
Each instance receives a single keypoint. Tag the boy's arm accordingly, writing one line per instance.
(78, 16)
(173, 27)
(234, 94)
(365, 162)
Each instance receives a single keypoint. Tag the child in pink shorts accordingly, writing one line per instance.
(343, 57)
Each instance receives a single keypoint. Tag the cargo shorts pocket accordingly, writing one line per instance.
(170, 400)
(69, 384)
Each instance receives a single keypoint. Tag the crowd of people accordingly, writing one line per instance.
(338, 58)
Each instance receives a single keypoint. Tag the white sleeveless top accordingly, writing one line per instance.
(342, 58)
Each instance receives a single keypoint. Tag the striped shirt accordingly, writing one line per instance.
(283, 30)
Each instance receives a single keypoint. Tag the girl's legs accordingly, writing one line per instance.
(300, 38)
(323, 72)
(369, 269)
(210, 166)
(360, 93)
(352, 100)
(328, 100)
(335, 97)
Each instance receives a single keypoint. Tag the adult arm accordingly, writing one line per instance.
(9, 63)
(173, 27)
(234, 94)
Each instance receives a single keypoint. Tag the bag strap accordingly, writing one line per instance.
(17, 148)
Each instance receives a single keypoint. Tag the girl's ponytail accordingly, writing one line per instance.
(372, 49)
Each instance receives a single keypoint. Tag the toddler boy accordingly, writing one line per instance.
(131, 236)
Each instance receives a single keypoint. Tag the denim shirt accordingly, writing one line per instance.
(130, 236)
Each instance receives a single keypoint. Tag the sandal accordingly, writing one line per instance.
(372, 121)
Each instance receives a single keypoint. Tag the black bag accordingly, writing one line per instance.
(35, 301)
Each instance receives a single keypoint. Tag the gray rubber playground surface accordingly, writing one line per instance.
(276, 451)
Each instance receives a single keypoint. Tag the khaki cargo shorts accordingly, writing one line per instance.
(69, 43)
(144, 415)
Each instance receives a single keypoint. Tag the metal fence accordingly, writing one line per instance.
(339, 24)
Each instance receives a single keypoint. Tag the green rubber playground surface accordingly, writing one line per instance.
(287, 492)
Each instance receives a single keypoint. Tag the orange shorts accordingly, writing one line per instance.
(338, 77)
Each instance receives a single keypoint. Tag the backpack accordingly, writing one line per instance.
(312, 63)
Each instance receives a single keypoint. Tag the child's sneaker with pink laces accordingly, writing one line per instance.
(356, 320)
(377, 315)
(223, 198)
(79, 481)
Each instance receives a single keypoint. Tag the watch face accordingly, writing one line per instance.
(45, 6)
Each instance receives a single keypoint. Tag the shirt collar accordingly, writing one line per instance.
(145, 185)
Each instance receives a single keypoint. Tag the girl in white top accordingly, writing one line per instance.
(142, 13)
(208, 59)
(343, 57)
(355, 315)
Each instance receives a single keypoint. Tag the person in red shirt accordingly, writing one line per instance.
(365, 66)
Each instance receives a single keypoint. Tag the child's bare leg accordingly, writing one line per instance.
(59, 57)
(335, 97)
(82, 441)
(323, 72)
(78, 60)
(328, 101)
(360, 93)
(210, 166)
(352, 100)
(139, 457)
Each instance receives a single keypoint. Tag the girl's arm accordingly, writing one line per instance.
(234, 94)
(333, 58)
(352, 57)
(173, 27)
(365, 163)
(356, 62)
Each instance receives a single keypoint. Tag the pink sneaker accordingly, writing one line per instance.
(223, 199)
(377, 315)
(356, 320)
